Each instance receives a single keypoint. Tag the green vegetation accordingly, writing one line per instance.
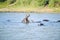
(36, 3)
(2, 0)
(30, 3)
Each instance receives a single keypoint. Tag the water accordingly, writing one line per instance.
(11, 27)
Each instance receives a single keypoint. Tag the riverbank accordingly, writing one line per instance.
(24, 9)
(29, 6)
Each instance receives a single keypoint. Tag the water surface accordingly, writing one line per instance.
(11, 27)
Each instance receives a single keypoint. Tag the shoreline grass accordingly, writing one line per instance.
(29, 6)
(29, 9)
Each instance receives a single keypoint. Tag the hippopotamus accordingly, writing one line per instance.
(26, 20)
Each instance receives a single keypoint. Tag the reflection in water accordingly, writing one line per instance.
(11, 27)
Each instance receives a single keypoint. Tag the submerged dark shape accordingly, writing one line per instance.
(26, 20)
(8, 21)
(41, 24)
(58, 21)
(46, 20)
